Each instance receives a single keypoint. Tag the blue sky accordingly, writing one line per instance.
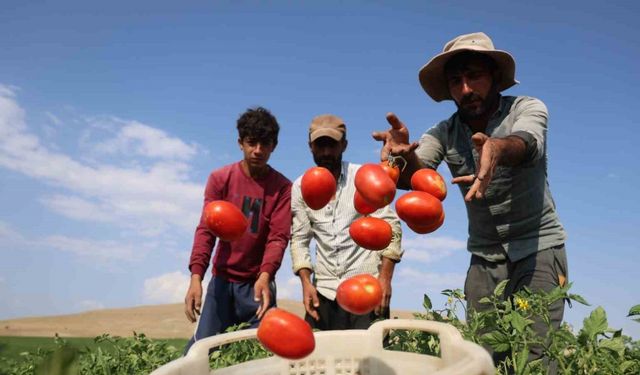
(113, 114)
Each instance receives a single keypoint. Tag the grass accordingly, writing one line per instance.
(12, 346)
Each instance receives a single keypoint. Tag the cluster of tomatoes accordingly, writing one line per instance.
(286, 334)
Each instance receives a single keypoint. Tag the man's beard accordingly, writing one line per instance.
(331, 163)
(481, 109)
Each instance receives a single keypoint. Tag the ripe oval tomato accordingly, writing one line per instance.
(419, 209)
(286, 334)
(371, 233)
(361, 205)
(429, 181)
(375, 185)
(424, 229)
(391, 169)
(359, 294)
(318, 187)
(225, 220)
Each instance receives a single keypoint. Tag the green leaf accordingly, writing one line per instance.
(596, 323)
(522, 360)
(499, 291)
(426, 303)
(635, 310)
(484, 300)
(579, 299)
(497, 340)
(518, 321)
(616, 345)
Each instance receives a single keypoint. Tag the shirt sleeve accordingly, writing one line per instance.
(204, 240)
(279, 233)
(301, 233)
(394, 251)
(530, 124)
(431, 148)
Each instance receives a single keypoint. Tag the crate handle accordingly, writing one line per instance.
(201, 347)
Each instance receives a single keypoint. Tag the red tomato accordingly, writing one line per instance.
(419, 209)
(318, 187)
(286, 334)
(391, 169)
(371, 233)
(361, 205)
(429, 181)
(424, 229)
(225, 220)
(375, 185)
(359, 294)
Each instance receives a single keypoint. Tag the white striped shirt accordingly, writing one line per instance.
(337, 255)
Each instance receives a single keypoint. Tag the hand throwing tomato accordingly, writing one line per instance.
(359, 294)
(419, 209)
(375, 185)
(371, 233)
(225, 220)
(429, 181)
(286, 334)
(391, 169)
(318, 187)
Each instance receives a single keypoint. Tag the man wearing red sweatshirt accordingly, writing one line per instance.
(242, 287)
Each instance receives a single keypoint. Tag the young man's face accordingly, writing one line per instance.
(327, 152)
(256, 152)
(471, 86)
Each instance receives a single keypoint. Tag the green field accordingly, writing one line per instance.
(11, 347)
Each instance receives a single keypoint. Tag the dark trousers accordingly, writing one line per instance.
(227, 304)
(334, 317)
(542, 271)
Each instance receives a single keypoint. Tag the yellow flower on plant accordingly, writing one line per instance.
(522, 304)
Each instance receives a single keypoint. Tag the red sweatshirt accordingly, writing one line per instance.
(267, 204)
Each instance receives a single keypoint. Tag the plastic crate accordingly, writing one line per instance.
(348, 352)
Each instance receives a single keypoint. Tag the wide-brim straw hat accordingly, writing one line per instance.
(432, 77)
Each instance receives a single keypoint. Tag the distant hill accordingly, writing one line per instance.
(156, 321)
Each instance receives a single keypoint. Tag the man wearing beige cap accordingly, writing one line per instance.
(495, 148)
(337, 255)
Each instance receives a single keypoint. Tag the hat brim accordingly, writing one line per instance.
(434, 82)
(331, 133)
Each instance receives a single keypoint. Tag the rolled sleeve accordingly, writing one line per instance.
(430, 149)
(301, 233)
(394, 251)
(530, 125)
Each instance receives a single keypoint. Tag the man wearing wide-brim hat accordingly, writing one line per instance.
(495, 147)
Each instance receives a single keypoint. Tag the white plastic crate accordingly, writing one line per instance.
(348, 352)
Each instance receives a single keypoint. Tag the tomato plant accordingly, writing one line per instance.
(429, 181)
(359, 294)
(225, 220)
(391, 169)
(371, 233)
(419, 209)
(286, 334)
(375, 185)
(318, 187)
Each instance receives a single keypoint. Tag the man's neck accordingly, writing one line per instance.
(480, 123)
(255, 173)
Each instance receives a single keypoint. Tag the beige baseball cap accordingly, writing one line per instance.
(327, 126)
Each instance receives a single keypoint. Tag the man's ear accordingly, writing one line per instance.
(240, 142)
(344, 144)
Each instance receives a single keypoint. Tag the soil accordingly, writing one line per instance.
(155, 321)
